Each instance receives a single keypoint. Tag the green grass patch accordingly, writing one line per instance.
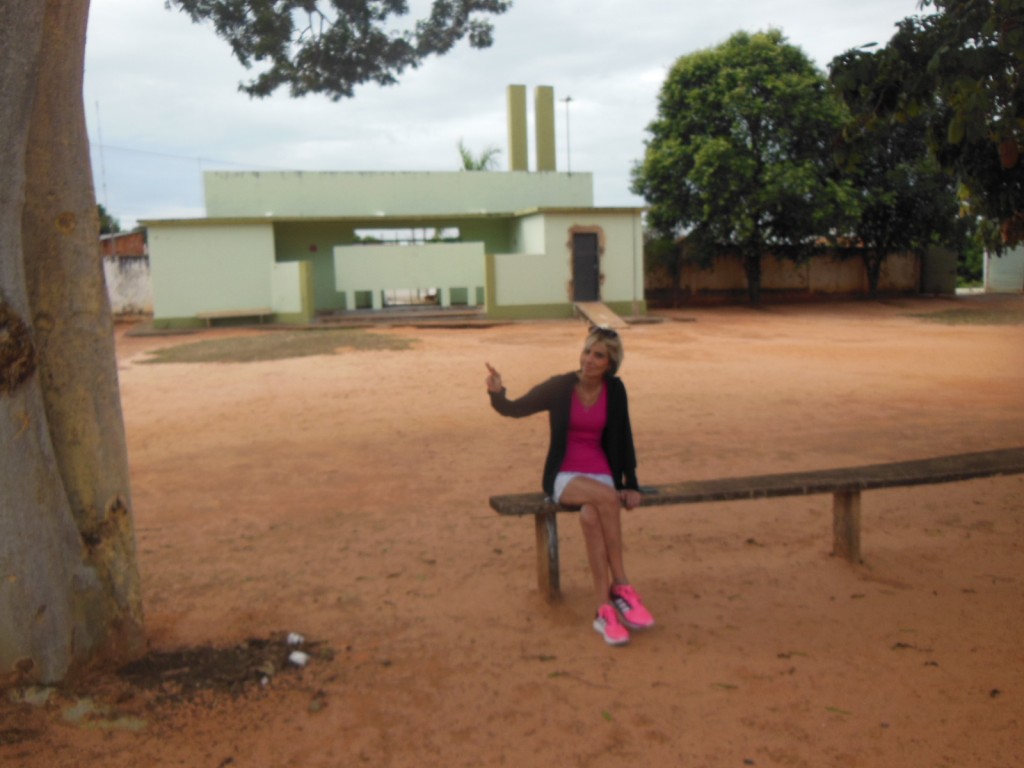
(277, 345)
(972, 317)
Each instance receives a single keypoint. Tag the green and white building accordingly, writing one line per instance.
(296, 245)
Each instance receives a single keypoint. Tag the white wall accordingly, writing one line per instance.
(530, 234)
(129, 285)
(286, 287)
(542, 275)
(622, 263)
(210, 267)
(528, 278)
(1005, 274)
(621, 239)
(423, 266)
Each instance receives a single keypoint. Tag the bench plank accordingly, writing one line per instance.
(942, 469)
(846, 485)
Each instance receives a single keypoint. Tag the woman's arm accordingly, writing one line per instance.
(537, 399)
(619, 448)
(493, 379)
(631, 499)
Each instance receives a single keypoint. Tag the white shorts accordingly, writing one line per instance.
(562, 479)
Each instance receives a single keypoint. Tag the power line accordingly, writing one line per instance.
(191, 158)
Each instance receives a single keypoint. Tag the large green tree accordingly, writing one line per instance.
(739, 155)
(331, 46)
(69, 585)
(906, 202)
(959, 69)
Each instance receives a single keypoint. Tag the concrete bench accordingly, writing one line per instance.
(225, 314)
(844, 484)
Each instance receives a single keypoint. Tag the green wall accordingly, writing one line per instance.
(371, 195)
(210, 267)
(379, 268)
(314, 242)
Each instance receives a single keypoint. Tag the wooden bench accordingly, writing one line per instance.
(844, 484)
(224, 314)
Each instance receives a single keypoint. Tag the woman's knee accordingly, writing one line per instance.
(587, 492)
(608, 500)
(589, 516)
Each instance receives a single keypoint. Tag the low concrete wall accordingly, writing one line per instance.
(453, 269)
(826, 274)
(129, 285)
(211, 267)
(1005, 274)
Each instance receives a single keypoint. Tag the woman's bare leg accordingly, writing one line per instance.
(597, 553)
(601, 521)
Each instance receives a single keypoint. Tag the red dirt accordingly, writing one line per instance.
(344, 497)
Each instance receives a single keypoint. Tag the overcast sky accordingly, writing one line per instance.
(162, 101)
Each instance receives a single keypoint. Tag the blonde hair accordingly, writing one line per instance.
(612, 342)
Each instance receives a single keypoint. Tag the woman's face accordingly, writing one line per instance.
(594, 361)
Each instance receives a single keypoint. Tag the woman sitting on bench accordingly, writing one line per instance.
(591, 464)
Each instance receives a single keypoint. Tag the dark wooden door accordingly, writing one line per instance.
(585, 268)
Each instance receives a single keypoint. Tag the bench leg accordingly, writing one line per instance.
(846, 525)
(547, 556)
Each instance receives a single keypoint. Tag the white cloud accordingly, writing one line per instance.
(162, 93)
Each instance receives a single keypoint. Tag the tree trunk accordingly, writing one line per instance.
(873, 266)
(70, 590)
(676, 271)
(752, 267)
(37, 535)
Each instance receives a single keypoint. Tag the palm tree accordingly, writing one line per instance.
(483, 162)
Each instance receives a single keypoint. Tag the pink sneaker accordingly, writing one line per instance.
(627, 602)
(607, 623)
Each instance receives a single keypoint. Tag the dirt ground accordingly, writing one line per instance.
(344, 498)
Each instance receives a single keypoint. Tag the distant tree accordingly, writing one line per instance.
(906, 201)
(108, 224)
(668, 254)
(482, 162)
(70, 593)
(739, 157)
(970, 269)
(961, 69)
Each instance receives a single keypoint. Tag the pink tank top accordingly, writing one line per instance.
(583, 452)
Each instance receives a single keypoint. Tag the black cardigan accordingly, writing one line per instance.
(555, 397)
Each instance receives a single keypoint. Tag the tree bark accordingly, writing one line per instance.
(70, 593)
(675, 270)
(752, 267)
(873, 267)
(35, 523)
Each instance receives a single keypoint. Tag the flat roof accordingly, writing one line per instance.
(390, 217)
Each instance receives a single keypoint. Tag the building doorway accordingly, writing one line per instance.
(586, 268)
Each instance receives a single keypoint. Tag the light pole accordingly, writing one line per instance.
(568, 150)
